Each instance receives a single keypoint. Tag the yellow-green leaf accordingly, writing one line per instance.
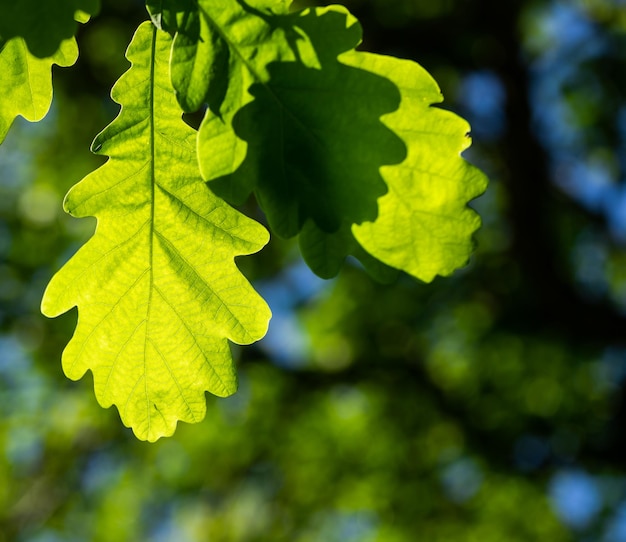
(26, 81)
(157, 289)
(34, 35)
(424, 226)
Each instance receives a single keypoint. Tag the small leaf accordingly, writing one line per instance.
(26, 82)
(34, 35)
(43, 25)
(157, 289)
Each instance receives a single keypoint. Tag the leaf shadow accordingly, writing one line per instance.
(316, 141)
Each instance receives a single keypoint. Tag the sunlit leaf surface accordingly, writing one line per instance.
(157, 288)
(424, 226)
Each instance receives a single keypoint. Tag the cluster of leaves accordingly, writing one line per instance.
(340, 147)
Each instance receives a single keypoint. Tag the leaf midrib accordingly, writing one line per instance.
(152, 213)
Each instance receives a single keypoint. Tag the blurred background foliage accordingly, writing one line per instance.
(488, 406)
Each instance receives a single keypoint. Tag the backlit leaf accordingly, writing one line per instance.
(424, 226)
(26, 81)
(34, 35)
(157, 289)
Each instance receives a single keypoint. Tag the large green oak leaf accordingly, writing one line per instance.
(341, 147)
(158, 293)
